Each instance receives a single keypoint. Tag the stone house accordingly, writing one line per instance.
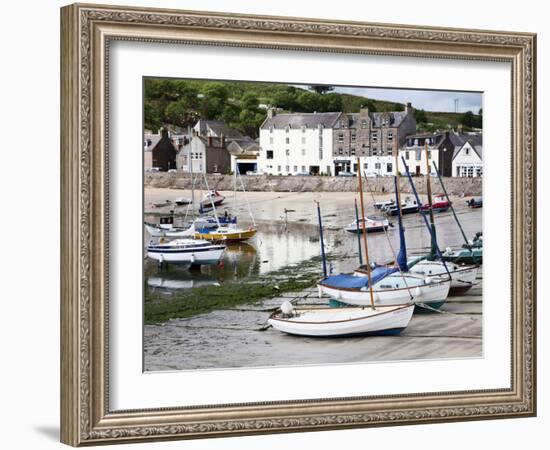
(159, 151)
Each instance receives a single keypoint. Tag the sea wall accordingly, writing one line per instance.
(454, 186)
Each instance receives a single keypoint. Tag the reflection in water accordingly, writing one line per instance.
(277, 245)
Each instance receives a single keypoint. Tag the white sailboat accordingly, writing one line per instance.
(186, 252)
(346, 321)
(342, 322)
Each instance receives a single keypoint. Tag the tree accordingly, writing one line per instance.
(467, 119)
(309, 101)
(321, 88)
(420, 116)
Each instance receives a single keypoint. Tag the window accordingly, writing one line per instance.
(340, 137)
(279, 169)
(390, 150)
(271, 129)
(269, 154)
(271, 140)
(352, 152)
(328, 170)
(365, 166)
(406, 155)
(303, 168)
(287, 168)
(340, 151)
(377, 165)
(363, 124)
(479, 171)
(320, 152)
(374, 137)
(390, 135)
(295, 168)
(374, 151)
(303, 128)
(389, 167)
(343, 123)
(418, 155)
(429, 154)
(467, 151)
(303, 152)
(287, 129)
(303, 140)
(287, 151)
(287, 140)
(352, 137)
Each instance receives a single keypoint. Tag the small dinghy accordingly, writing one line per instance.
(211, 198)
(341, 322)
(475, 203)
(439, 204)
(162, 204)
(155, 230)
(383, 205)
(186, 252)
(372, 225)
(183, 201)
(409, 206)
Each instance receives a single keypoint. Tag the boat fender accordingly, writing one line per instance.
(319, 291)
(448, 250)
(287, 309)
(428, 280)
(192, 257)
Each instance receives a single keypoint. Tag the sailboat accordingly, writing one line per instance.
(344, 321)
(462, 277)
(390, 285)
(225, 233)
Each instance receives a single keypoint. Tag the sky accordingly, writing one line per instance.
(441, 101)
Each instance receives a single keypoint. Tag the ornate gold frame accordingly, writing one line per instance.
(86, 31)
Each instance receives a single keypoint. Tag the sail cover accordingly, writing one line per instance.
(357, 282)
(402, 255)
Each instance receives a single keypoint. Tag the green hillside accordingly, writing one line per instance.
(242, 104)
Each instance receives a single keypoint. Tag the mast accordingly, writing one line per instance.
(192, 181)
(211, 200)
(430, 230)
(322, 240)
(451, 205)
(430, 204)
(365, 233)
(358, 234)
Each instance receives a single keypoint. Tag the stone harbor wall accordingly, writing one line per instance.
(455, 186)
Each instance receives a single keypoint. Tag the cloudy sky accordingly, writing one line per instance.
(442, 101)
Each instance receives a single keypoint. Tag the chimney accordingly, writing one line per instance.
(222, 140)
(164, 133)
(460, 129)
(271, 112)
(209, 141)
(408, 107)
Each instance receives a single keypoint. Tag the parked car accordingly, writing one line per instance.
(172, 171)
(153, 169)
(346, 174)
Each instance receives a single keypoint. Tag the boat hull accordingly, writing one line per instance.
(345, 322)
(434, 292)
(237, 236)
(462, 277)
(187, 256)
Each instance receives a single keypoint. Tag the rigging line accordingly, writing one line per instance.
(390, 244)
(238, 173)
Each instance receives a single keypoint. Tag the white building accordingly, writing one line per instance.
(468, 157)
(297, 143)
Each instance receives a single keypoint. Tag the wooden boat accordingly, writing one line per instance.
(372, 224)
(409, 206)
(186, 252)
(341, 322)
(226, 234)
(439, 204)
(475, 202)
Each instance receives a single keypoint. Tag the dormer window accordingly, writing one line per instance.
(303, 128)
(271, 129)
(287, 129)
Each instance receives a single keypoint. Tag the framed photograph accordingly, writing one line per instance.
(279, 224)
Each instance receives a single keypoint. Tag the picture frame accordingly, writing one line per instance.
(87, 31)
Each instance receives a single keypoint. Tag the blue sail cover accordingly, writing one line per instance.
(402, 255)
(355, 282)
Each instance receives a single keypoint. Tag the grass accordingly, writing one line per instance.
(191, 302)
